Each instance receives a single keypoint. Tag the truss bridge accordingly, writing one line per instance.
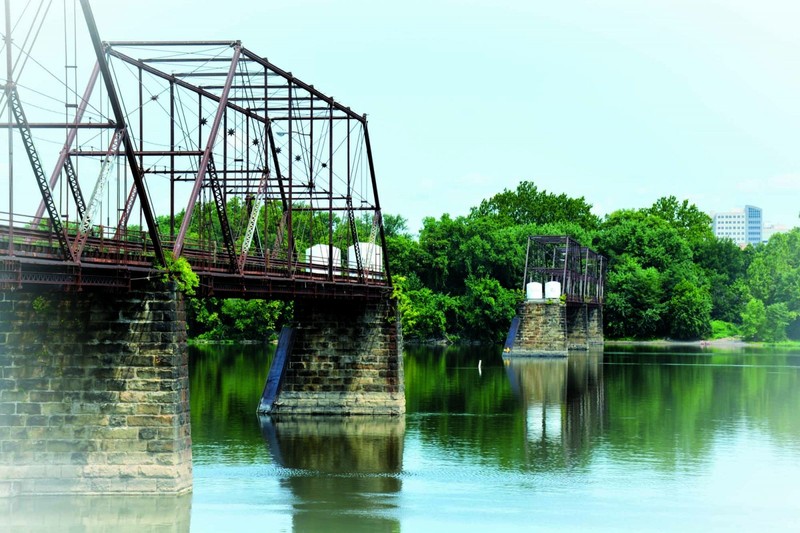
(125, 155)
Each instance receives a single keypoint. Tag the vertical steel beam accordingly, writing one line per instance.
(9, 88)
(71, 134)
(289, 228)
(172, 161)
(330, 190)
(204, 161)
(119, 116)
(377, 202)
(525, 273)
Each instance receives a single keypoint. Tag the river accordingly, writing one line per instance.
(633, 439)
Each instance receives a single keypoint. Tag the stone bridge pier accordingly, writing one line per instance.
(340, 358)
(94, 392)
(553, 328)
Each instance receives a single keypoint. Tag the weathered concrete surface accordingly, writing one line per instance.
(94, 392)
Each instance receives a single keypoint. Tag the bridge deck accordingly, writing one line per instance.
(118, 264)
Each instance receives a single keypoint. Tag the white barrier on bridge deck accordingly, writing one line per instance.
(317, 255)
(552, 289)
(533, 290)
(371, 258)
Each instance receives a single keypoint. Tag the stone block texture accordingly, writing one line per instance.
(94, 392)
(542, 329)
(552, 328)
(577, 324)
(346, 360)
(594, 325)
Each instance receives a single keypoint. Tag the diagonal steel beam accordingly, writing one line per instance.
(204, 161)
(85, 227)
(71, 134)
(222, 214)
(255, 209)
(378, 214)
(130, 151)
(126, 212)
(75, 187)
(38, 171)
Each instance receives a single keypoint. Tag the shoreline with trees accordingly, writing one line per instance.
(668, 277)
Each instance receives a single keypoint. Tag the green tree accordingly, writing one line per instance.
(488, 308)
(754, 320)
(423, 313)
(689, 312)
(528, 205)
(633, 301)
(692, 224)
(778, 318)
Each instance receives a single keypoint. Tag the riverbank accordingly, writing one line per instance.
(729, 342)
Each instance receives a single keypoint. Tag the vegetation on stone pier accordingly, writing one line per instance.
(668, 276)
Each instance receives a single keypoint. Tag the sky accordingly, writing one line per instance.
(620, 102)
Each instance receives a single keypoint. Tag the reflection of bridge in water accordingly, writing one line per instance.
(342, 471)
(563, 400)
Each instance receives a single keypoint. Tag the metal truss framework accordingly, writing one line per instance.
(580, 270)
(228, 160)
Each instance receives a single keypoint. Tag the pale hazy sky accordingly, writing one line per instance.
(619, 101)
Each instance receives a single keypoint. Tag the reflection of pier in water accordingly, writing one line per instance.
(563, 399)
(342, 471)
(118, 513)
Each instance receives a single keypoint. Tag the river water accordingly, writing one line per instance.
(633, 439)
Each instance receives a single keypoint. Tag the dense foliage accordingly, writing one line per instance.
(668, 276)
(461, 277)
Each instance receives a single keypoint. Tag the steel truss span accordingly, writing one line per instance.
(124, 154)
(579, 270)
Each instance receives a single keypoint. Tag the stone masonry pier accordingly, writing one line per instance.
(553, 328)
(344, 358)
(94, 393)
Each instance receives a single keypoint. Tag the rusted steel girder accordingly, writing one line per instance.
(205, 163)
(119, 116)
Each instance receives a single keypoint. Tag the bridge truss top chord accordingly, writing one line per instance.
(199, 149)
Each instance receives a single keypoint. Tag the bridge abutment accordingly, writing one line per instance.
(345, 359)
(94, 392)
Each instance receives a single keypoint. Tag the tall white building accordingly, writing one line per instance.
(743, 226)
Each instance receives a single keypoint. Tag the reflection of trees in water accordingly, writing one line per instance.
(672, 404)
(563, 402)
(343, 471)
(118, 513)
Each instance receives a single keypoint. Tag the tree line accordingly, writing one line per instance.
(460, 279)
(668, 275)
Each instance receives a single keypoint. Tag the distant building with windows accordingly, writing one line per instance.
(742, 226)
